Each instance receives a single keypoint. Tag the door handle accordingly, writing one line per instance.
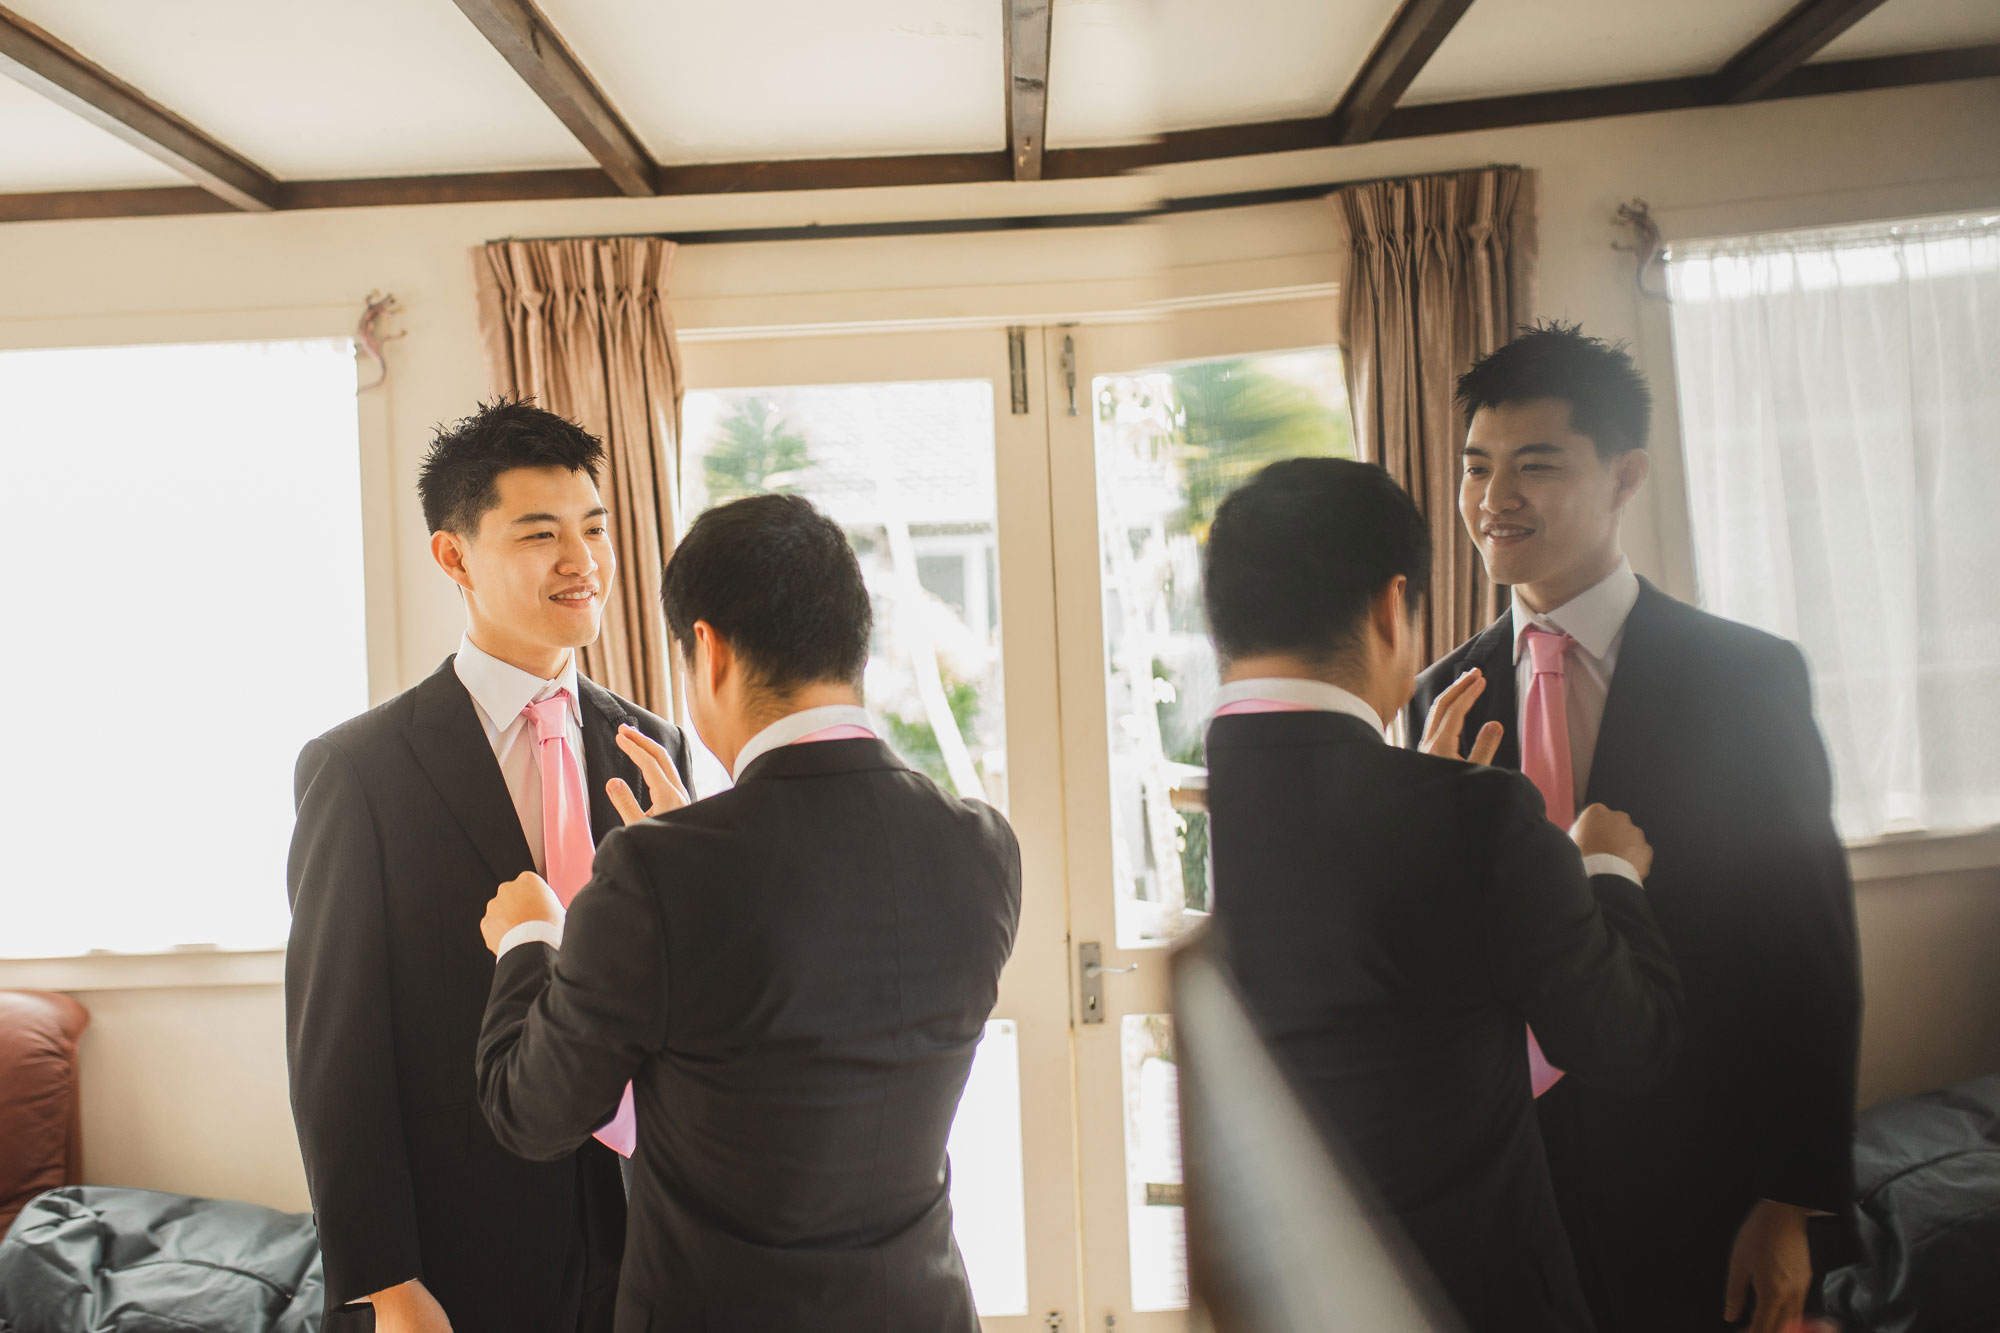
(1091, 972)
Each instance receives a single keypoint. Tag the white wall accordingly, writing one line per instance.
(184, 1084)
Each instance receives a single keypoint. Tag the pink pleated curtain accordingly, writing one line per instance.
(1440, 271)
(583, 328)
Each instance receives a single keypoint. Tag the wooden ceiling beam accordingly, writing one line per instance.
(1788, 44)
(530, 43)
(1027, 58)
(33, 57)
(1213, 143)
(1403, 50)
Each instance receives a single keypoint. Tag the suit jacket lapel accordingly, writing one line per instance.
(445, 734)
(1633, 707)
(1492, 651)
(602, 759)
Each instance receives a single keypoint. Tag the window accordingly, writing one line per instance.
(190, 524)
(1840, 406)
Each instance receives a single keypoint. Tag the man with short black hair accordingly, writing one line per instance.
(793, 973)
(505, 760)
(1395, 919)
(1688, 1205)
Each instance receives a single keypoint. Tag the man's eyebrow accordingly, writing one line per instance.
(598, 512)
(1474, 451)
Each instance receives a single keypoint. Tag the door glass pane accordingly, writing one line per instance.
(1153, 1163)
(988, 1205)
(907, 470)
(1171, 443)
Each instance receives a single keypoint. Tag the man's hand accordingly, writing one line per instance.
(657, 767)
(1446, 724)
(409, 1308)
(523, 898)
(1771, 1260)
(1604, 832)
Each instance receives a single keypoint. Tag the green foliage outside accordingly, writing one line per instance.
(1233, 418)
(756, 452)
(917, 742)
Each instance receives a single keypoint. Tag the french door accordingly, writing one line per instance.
(1019, 530)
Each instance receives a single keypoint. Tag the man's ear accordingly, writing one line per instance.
(712, 657)
(1390, 613)
(448, 549)
(1632, 468)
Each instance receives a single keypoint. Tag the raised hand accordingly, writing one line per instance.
(1600, 829)
(656, 766)
(526, 897)
(1445, 726)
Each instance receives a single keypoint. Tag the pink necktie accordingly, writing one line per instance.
(568, 850)
(1545, 758)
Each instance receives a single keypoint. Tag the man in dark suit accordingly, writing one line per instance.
(1688, 1204)
(407, 817)
(793, 973)
(1396, 920)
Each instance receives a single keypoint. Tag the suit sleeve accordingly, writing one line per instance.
(1805, 960)
(338, 1035)
(566, 1029)
(1581, 958)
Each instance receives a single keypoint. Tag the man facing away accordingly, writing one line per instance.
(1688, 1204)
(1396, 920)
(793, 973)
(505, 760)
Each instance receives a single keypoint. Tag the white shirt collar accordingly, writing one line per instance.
(796, 726)
(1594, 617)
(503, 690)
(1316, 694)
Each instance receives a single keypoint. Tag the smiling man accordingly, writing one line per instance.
(505, 761)
(1688, 1205)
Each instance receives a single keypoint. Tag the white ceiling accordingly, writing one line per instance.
(312, 89)
(1932, 25)
(723, 80)
(1532, 46)
(318, 90)
(43, 147)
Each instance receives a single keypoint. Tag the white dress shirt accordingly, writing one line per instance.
(499, 694)
(1596, 620)
(795, 727)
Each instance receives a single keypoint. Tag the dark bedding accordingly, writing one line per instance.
(1927, 1186)
(88, 1259)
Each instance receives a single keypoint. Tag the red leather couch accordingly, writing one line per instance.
(41, 1131)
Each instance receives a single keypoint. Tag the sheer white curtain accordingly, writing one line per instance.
(1840, 408)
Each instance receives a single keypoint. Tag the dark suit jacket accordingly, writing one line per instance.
(1708, 743)
(795, 973)
(1394, 921)
(405, 829)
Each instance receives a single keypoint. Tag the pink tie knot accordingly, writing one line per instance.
(550, 716)
(1548, 650)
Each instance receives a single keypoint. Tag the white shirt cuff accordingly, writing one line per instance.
(550, 932)
(1601, 864)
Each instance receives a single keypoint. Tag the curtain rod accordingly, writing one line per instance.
(838, 231)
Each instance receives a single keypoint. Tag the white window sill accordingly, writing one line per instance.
(145, 971)
(1902, 855)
